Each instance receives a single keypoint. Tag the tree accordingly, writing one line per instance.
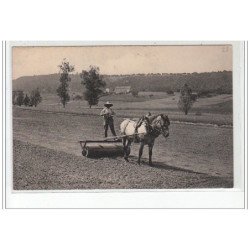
(35, 97)
(26, 100)
(94, 83)
(185, 101)
(62, 90)
(19, 99)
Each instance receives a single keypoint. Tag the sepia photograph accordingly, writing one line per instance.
(124, 125)
(97, 117)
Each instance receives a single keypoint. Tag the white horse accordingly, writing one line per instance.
(158, 125)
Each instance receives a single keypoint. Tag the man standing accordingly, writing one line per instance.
(108, 114)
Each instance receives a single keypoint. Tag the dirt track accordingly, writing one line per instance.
(47, 156)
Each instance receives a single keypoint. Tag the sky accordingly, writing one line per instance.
(28, 61)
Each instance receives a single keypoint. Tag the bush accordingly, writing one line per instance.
(77, 98)
(26, 101)
(20, 98)
(35, 97)
(194, 97)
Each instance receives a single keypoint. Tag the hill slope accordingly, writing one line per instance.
(220, 82)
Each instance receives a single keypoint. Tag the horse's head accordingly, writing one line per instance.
(161, 123)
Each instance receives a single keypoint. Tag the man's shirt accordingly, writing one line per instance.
(107, 114)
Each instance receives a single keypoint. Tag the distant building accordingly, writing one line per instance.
(122, 90)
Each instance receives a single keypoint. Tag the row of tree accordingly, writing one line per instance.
(92, 80)
(94, 83)
(31, 100)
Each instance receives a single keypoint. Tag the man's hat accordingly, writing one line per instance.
(108, 104)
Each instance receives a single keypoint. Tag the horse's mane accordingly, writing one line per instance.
(153, 117)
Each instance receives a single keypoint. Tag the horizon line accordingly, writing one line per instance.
(77, 73)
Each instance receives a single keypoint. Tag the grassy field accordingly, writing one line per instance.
(214, 110)
(47, 155)
(167, 102)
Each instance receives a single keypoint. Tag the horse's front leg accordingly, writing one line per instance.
(150, 152)
(140, 151)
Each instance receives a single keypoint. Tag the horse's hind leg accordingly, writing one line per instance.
(127, 151)
(128, 148)
(124, 140)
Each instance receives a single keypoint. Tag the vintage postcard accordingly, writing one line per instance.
(125, 116)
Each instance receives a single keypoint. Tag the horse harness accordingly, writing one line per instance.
(152, 128)
(157, 129)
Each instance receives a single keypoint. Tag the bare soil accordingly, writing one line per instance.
(40, 168)
(47, 156)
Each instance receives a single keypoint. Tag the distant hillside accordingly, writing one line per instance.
(219, 82)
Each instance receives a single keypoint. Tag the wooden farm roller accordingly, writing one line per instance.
(102, 148)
